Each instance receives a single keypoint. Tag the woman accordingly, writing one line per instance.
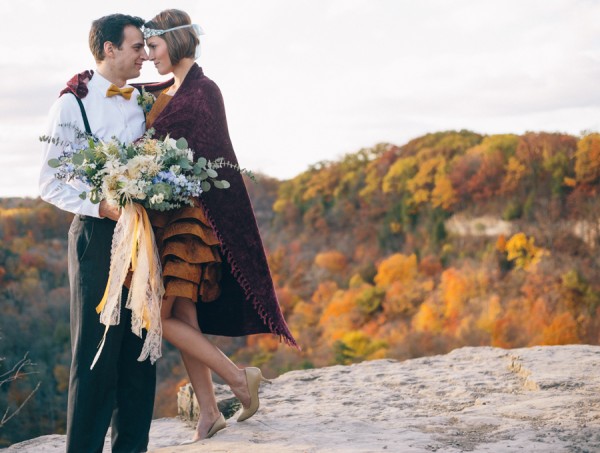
(217, 280)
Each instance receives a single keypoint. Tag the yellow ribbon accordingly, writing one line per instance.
(145, 305)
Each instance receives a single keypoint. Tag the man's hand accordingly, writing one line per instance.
(106, 210)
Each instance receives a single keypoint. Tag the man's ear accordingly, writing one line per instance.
(109, 49)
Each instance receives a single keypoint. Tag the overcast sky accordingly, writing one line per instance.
(312, 80)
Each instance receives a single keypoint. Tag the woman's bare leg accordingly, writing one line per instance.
(199, 374)
(196, 347)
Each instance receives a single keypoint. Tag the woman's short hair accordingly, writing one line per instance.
(181, 43)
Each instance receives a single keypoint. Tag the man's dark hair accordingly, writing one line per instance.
(110, 28)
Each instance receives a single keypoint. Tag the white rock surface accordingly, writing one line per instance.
(540, 399)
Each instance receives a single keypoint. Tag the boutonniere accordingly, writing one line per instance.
(146, 100)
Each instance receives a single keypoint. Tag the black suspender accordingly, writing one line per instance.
(84, 115)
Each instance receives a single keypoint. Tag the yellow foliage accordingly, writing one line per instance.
(395, 227)
(489, 314)
(398, 174)
(397, 267)
(280, 205)
(515, 170)
(523, 252)
(427, 319)
(355, 281)
(422, 183)
(420, 196)
(14, 212)
(587, 159)
(443, 194)
(360, 347)
(372, 182)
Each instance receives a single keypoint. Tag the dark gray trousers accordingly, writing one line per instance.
(119, 391)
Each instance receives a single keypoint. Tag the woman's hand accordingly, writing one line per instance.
(109, 211)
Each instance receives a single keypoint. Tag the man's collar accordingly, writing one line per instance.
(101, 83)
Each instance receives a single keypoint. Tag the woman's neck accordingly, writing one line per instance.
(179, 72)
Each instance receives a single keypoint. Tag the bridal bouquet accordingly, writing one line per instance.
(158, 174)
(149, 173)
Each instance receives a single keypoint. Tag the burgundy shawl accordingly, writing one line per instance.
(248, 303)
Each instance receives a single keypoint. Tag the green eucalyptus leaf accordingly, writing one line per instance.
(225, 184)
(182, 143)
(218, 184)
(202, 162)
(212, 173)
(54, 163)
(83, 195)
(197, 169)
(89, 154)
(205, 186)
(95, 197)
(77, 158)
(184, 163)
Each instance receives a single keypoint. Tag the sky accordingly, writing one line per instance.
(306, 81)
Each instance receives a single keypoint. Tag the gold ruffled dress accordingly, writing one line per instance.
(187, 244)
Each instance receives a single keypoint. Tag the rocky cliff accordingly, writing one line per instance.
(540, 399)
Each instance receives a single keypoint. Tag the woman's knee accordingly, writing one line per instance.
(185, 310)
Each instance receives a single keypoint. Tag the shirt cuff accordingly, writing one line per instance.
(91, 209)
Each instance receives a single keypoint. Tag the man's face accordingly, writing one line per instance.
(129, 58)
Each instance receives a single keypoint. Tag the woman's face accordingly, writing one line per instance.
(159, 55)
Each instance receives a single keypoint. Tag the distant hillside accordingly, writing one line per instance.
(453, 239)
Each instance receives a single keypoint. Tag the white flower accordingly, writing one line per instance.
(158, 198)
(171, 142)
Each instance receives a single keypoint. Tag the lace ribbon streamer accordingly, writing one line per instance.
(133, 245)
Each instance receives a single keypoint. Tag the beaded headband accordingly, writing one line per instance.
(150, 32)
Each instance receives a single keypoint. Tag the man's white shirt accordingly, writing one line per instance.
(108, 117)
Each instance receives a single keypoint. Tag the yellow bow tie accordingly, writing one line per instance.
(114, 90)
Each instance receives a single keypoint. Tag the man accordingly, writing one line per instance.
(119, 390)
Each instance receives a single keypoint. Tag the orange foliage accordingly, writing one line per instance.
(454, 292)
(333, 261)
(562, 330)
(339, 316)
(397, 267)
(489, 314)
(307, 314)
(324, 293)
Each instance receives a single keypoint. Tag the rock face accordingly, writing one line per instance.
(540, 399)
